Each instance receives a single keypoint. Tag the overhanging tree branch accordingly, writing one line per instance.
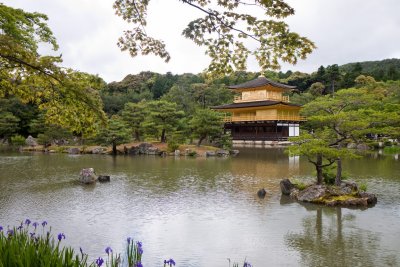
(213, 14)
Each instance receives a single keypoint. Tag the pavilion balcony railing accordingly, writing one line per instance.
(264, 118)
(238, 99)
(270, 137)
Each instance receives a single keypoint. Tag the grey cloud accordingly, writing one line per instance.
(343, 30)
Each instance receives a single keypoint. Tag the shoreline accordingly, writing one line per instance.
(132, 149)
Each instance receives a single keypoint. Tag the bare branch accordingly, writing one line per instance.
(211, 14)
(22, 62)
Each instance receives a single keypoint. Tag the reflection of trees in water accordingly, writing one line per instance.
(329, 240)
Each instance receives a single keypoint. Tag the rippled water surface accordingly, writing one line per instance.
(202, 211)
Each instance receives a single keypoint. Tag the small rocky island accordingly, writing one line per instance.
(88, 176)
(347, 194)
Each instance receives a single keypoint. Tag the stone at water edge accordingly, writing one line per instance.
(286, 186)
(371, 198)
(362, 147)
(261, 193)
(144, 148)
(152, 151)
(312, 193)
(30, 141)
(222, 153)
(97, 150)
(210, 154)
(234, 152)
(87, 176)
(74, 150)
(103, 178)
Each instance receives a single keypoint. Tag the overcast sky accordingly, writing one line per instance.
(343, 30)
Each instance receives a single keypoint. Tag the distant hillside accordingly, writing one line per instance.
(387, 69)
(150, 85)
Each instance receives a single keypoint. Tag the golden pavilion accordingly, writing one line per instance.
(261, 111)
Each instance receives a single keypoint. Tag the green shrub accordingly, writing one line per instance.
(192, 154)
(373, 144)
(329, 174)
(224, 141)
(172, 146)
(61, 149)
(299, 184)
(392, 149)
(387, 143)
(18, 140)
(44, 140)
(362, 187)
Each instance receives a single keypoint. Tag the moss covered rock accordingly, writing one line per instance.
(347, 194)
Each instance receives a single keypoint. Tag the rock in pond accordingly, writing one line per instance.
(261, 193)
(87, 176)
(286, 186)
(103, 178)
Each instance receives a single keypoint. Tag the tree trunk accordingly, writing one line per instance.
(200, 140)
(318, 166)
(114, 148)
(338, 179)
(163, 139)
(137, 136)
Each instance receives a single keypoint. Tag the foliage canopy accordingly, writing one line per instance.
(69, 98)
(225, 32)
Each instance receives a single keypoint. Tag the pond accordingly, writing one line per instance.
(200, 212)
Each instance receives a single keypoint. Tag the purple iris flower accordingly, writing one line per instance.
(99, 261)
(140, 248)
(35, 224)
(246, 264)
(81, 250)
(27, 222)
(10, 232)
(19, 227)
(1, 228)
(138, 264)
(170, 262)
(61, 236)
(108, 250)
(32, 234)
(129, 240)
(44, 223)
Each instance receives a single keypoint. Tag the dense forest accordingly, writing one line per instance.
(168, 106)
(149, 85)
